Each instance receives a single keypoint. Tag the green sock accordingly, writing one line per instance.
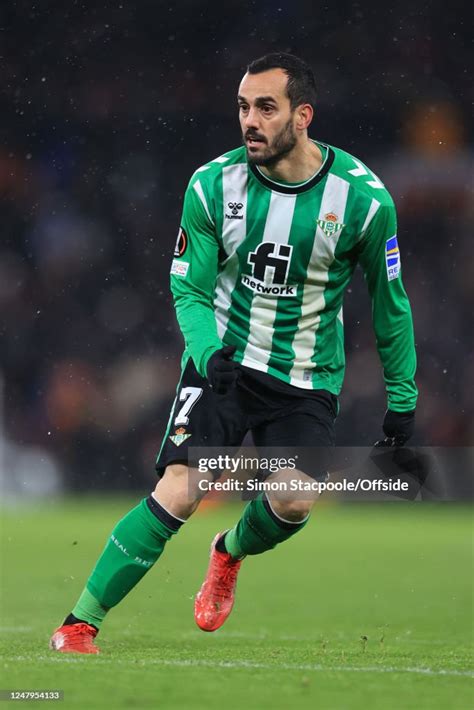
(259, 530)
(134, 546)
(88, 609)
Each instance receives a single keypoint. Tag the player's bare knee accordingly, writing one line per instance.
(292, 510)
(176, 492)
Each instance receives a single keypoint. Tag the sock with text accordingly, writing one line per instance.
(134, 546)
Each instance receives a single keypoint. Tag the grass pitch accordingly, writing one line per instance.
(368, 607)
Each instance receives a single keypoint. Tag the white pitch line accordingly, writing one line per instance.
(338, 638)
(240, 664)
(15, 629)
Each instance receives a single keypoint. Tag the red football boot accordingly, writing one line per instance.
(74, 638)
(215, 599)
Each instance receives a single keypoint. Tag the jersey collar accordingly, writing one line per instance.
(287, 189)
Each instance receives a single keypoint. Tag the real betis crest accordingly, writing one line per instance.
(329, 224)
(179, 436)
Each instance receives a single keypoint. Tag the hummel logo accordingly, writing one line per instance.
(235, 208)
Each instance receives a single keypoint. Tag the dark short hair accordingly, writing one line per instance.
(301, 86)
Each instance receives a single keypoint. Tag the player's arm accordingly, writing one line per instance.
(392, 320)
(193, 277)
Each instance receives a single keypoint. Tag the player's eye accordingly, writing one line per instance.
(243, 108)
(267, 109)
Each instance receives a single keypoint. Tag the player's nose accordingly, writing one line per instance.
(251, 120)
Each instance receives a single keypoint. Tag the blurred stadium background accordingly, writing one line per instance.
(107, 109)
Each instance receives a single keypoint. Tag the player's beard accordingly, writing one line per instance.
(281, 145)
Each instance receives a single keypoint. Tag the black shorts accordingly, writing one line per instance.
(277, 415)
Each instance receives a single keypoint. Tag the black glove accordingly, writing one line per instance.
(222, 371)
(398, 427)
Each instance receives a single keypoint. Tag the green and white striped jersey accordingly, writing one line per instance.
(264, 265)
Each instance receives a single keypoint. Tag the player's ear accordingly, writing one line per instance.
(304, 116)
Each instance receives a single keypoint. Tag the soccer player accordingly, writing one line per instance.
(271, 233)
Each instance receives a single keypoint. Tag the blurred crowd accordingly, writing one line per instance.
(108, 108)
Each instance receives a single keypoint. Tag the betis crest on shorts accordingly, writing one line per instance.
(180, 436)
